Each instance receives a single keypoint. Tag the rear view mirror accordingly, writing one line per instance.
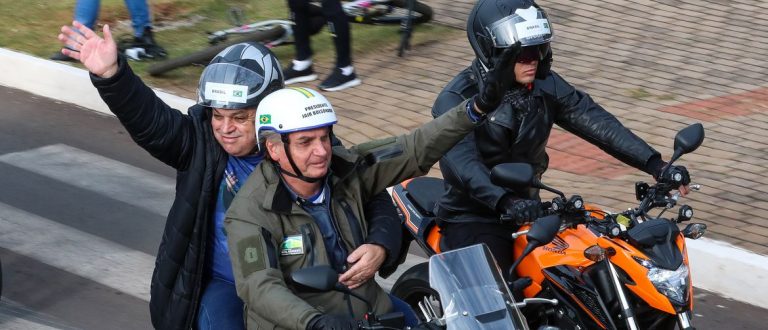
(688, 140)
(541, 233)
(514, 175)
(518, 176)
(317, 278)
(543, 230)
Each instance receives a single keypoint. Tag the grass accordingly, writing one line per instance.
(31, 26)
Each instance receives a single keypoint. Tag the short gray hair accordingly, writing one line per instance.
(268, 135)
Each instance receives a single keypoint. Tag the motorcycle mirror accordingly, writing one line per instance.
(515, 175)
(518, 175)
(687, 140)
(317, 278)
(542, 231)
(323, 278)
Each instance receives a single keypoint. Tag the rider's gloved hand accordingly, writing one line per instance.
(521, 210)
(331, 321)
(676, 175)
(496, 81)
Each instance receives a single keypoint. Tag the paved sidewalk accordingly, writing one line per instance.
(657, 65)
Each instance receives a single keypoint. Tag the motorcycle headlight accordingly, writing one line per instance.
(671, 283)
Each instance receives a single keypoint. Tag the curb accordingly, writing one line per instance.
(61, 82)
(716, 266)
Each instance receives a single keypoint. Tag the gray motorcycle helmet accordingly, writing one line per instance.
(493, 25)
(239, 77)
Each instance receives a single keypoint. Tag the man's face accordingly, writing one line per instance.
(311, 152)
(527, 62)
(525, 72)
(235, 130)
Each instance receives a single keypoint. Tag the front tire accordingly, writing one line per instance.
(202, 57)
(413, 286)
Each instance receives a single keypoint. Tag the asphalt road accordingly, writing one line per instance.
(82, 210)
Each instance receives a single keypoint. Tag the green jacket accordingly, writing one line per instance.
(270, 236)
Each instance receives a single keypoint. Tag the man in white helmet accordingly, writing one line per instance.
(214, 149)
(303, 208)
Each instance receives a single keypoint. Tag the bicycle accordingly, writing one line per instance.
(278, 32)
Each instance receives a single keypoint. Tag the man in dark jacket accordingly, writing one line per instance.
(518, 130)
(214, 149)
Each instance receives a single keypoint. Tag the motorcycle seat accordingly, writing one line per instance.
(424, 192)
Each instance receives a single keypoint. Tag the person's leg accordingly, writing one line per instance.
(411, 319)
(142, 29)
(343, 75)
(87, 11)
(496, 237)
(338, 23)
(220, 307)
(305, 24)
(139, 11)
(301, 31)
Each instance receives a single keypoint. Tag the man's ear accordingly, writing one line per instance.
(273, 149)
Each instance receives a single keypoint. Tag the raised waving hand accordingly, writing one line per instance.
(98, 55)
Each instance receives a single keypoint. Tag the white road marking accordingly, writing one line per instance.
(117, 180)
(77, 252)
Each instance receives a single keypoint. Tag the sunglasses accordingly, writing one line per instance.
(533, 53)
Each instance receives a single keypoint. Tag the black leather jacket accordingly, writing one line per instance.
(470, 196)
(186, 143)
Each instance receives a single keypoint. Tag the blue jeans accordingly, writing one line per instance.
(220, 307)
(411, 319)
(87, 11)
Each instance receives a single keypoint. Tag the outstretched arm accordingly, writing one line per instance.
(164, 132)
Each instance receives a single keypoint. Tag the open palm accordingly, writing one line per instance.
(98, 55)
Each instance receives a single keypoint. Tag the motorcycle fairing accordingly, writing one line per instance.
(579, 290)
(656, 238)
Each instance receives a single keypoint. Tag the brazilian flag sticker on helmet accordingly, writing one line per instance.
(265, 119)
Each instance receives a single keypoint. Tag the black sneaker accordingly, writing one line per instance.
(58, 56)
(292, 76)
(147, 41)
(337, 81)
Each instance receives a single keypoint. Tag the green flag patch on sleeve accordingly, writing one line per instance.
(250, 252)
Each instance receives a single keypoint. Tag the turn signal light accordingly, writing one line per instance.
(695, 230)
(597, 253)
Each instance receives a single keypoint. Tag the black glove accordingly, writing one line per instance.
(521, 210)
(676, 175)
(333, 322)
(496, 82)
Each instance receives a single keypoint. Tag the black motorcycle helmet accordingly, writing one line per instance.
(239, 77)
(496, 24)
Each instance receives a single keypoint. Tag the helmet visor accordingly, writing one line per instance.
(226, 86)
(530, 26)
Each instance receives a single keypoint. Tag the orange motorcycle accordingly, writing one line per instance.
(627, 270)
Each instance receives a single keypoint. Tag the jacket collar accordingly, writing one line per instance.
(277, 197)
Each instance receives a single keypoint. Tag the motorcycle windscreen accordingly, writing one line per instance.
(472, 290)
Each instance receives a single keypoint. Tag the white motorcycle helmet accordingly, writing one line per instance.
(293, 109)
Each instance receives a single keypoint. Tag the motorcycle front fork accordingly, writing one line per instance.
(684, 321)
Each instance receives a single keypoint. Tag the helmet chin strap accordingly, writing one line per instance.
(298, 175)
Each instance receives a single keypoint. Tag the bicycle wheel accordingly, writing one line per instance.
(205, 55)
(421, 13)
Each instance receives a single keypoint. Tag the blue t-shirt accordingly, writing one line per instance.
(237, 171)
(318, 206)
